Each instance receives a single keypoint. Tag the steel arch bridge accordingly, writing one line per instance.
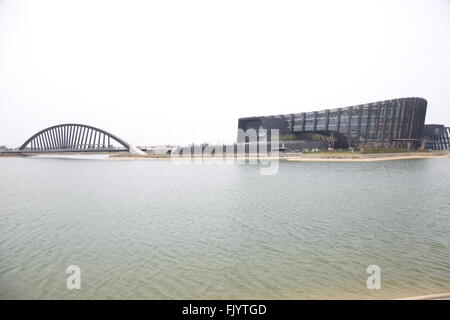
(72, 137)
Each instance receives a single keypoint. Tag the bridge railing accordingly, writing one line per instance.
(75, 148)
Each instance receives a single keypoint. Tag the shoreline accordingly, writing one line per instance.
(370, 157)
(320, 157)
(304, 157)
(435, 296)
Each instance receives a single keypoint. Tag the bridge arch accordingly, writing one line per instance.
(73, 137)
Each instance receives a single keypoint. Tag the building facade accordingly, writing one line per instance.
(397, 123)
(436, 137)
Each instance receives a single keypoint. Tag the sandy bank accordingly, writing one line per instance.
(305, 157)
(369, 157)
(438, 296)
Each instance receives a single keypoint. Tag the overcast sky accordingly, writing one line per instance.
(157, 72)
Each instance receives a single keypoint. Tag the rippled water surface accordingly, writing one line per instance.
(157, 230)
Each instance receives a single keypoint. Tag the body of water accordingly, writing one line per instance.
(158, 230)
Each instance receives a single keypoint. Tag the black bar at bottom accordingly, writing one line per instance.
(230, 309)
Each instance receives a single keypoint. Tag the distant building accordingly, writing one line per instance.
(436, 137)
(397, 123)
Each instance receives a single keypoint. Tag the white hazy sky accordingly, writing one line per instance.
(156, 72)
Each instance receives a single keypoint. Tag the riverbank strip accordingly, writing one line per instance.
(310, 157)
(437, 296)
(370, 157)
(298, 157)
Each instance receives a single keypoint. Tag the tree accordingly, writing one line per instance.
(331, 140)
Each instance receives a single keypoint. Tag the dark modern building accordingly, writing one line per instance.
(397, 123)
(436, 137)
